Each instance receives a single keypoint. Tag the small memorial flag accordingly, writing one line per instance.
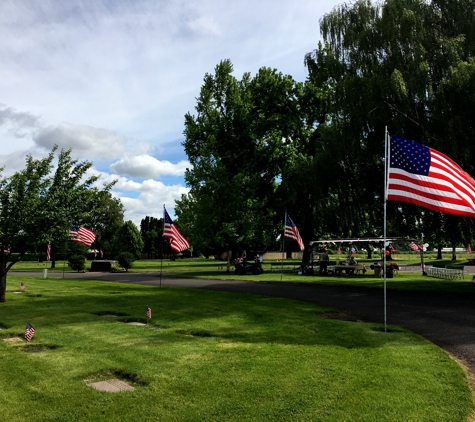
(149, 312)
(413, 246)
(48, 252)
(30, 330)
(469, 249)
(22, 286)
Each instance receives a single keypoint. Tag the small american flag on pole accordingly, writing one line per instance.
(178, 242)
(85, 236)
(149, 312)
(469, 249)
(22, 286)
(292, 232)
(30, 330)
(48, 252)
(413, 246)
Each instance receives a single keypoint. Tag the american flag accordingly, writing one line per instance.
(84, 235)
(426, 177)
(149, 312)
(102, 254)
(178, 242)
(22, 286)
(292, 232)
(30, 330)
(48, 252)
(469, 249)
(73, 231)
(413, 246)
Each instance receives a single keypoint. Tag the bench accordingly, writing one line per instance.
(339, 268)
(447, 273)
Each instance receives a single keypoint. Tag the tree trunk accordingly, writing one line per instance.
(439, 252)
(3, 276)
(454, 254)
(3, 286)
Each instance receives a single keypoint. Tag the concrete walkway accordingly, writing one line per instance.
(447, 320)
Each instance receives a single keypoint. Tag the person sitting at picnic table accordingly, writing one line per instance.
(351, 261)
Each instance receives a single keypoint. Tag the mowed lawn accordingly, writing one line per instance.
(211, 356)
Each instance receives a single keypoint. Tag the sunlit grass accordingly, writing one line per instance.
(212, 356)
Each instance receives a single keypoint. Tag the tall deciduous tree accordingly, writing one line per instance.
(406, 64)
(37, 206)
(237, 144)
(128, 239)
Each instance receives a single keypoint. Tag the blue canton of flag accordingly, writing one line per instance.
(426, 177)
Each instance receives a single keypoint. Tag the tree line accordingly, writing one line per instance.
(266, 144)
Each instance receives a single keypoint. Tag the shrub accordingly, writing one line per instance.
(76, 262)
(126, 259)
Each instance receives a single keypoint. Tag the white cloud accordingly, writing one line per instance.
(146, 166)
(20, 124)
(86, 141)
(124, 74)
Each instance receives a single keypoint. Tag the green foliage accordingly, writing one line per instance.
(37, 206)
(151, 230)
(77, 262)
(128, 239)
(126, 260)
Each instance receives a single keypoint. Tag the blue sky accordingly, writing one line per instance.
(114, 79)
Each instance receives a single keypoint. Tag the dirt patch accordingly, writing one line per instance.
(340, 316)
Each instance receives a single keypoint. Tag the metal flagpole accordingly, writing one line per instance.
(161, 252)
(283, 250)
(386, 170)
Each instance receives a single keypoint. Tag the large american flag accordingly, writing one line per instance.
(84, 235)
(413, 246)
(30, 330)
(292, 232)
(426, 177)
(178, 242)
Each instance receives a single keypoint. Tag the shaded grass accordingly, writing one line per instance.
(217, 356)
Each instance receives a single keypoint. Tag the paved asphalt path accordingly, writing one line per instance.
(448, 320)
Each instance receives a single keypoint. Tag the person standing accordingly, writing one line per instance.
(324, 258)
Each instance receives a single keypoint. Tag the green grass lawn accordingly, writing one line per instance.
(212, 356)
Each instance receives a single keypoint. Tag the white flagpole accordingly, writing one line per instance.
(161, 252)
(386, 177)
(283, 249)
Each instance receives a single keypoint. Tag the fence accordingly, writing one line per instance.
(454, 273)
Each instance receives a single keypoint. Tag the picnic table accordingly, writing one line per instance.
(339, 268)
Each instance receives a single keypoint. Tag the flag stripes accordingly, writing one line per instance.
(426, 177)
(178, 242)
(292, 232)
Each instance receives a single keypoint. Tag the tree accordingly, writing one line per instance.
(128, 239)
(151, 230)
(126, 260)
(406, 64)
(237, 144)
(107, 216)
(38, 205)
